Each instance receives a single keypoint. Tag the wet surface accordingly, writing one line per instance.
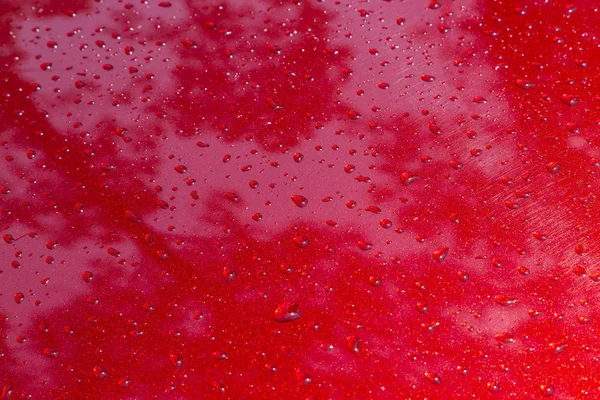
(290, 199)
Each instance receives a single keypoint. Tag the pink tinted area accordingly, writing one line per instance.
(264, 199)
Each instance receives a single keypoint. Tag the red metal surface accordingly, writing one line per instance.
(265, 199)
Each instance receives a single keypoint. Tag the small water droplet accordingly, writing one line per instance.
(286, 312)
(176, 360)
(504, 300)
(505, 337)
(493, 387)
(524, 84)
(433, 377)
(553, 167)
(301, 241)
(133, 217)
(523, 270)
(365, 246)
(125, 382)
(375, 281)
(100, 372)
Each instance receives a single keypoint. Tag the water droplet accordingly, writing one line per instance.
(434, 5)
(182, 169)
(133, 217)
(504, 300)
(505, 337)
(375, 281)
(407, 178)
(300, 200)
(365, 246)
(228, 273)
(546, 390)
(540, 236)
(301, 241)
(433, 377)
(353, 115)
(524, 84)
(573, 128)
(303, 377)
(462, 276)
(427, 78)
(353, 344)
(162, 204)
(50, 353)
(493, 387)
(176, 360)
(422, 307)
(455, 164)
(440, 254)
(87, 276)
(553, 167)
(232, 196)
(385, 223)
(100, 372)
(125, 382)
(286, 312)
(434, 128)
(349, 168)
(569, 99)
(523, 270)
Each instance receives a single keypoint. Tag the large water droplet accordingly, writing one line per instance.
(569, 99)
(299, 200)
(440, 254)
(546, 390)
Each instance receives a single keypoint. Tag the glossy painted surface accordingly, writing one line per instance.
(264, 199)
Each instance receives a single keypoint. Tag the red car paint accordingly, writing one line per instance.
(299, 199)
